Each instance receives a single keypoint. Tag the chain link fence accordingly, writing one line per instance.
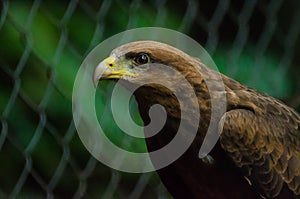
(42, 44)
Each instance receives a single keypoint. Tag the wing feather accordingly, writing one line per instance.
(265, 145)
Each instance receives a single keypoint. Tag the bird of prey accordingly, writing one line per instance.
(258, 151)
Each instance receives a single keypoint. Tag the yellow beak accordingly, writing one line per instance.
(109, 69)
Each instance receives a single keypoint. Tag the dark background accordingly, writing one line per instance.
(43, 43)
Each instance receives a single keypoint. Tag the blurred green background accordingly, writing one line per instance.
(43, 43)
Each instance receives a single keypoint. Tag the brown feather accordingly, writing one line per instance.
(260, 139)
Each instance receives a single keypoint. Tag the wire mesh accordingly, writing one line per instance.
(43, 44)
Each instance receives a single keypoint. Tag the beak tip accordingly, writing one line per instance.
(95, 79)
(95, 82)
(97, 73)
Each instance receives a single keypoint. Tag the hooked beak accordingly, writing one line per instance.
(109, 69)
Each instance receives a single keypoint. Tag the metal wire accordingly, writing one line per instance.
(70, 171)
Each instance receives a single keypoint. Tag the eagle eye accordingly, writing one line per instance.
(142, 58)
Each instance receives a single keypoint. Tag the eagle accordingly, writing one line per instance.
(257, 154)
